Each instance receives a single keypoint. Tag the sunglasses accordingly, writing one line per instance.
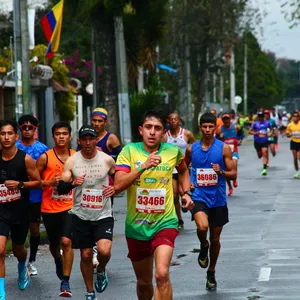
(27, 127)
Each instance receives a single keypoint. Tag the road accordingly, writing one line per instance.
(260, 257)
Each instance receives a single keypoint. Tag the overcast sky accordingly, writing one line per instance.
(276, 37)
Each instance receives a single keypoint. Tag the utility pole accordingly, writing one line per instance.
(221, 87)
(94, 67)
(245, 78)
(232, 80)
(124, 109)
(188, 88)
(25, 58)
(214, 87)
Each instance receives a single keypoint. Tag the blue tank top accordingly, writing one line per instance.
(210, 188)
(102, 144)
(230, 137)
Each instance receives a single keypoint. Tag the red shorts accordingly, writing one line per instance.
(138, 250)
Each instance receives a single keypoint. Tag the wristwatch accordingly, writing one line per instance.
(187, 193)
(21, 185)
(222, 172)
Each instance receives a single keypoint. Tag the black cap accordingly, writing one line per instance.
(87, 129)
(260, 113)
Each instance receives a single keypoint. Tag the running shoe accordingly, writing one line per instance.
(32, 269)
(203, 256)
(90, 296)
(101, 282)
(264, 172)
(65, 290)
(211, 283)
(3, 297)
(59, 269)
(180, 224)
(230, 191)
(24, 279)
(297, 175)
(235, 184)
(95, 259)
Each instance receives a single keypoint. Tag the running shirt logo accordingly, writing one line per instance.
(151, 201)
(207, 177)
(92, 199)
(7, 195)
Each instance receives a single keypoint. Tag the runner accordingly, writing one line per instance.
(106, 142)
(145, 170)
(272, 139)
(182, 138)
(284, 123)
(92, 220)
(55, 208)
(212, 165)
(260, 129)
(293, 131)
(228, 134)
(28, 125)
(16, 167)
(219, 120)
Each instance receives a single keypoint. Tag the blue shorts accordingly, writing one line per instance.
(235, 155)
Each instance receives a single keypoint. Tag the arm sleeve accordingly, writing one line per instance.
(64, 187)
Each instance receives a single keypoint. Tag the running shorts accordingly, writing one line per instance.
(35, 212)
(294, 146)
(259, 146)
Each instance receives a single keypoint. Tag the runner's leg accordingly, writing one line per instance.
(104, 253)
(215, 246)
(87, 269)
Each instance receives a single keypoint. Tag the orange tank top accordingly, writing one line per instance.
(51, 201)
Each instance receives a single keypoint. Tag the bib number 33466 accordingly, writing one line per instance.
(151, 201)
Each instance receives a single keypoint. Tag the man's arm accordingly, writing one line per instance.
(190, 137)
(188, 155)
(114, 146)
(41, 165)
(252, 131)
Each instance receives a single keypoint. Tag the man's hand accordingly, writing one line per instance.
(187, 202)
(79, 180)
(216, 168)
(108, 190)
(55, 180)
(152, 161)
(11, 184)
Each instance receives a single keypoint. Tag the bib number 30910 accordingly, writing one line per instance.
(151, 201)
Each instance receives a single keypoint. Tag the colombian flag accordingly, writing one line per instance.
(51, 24)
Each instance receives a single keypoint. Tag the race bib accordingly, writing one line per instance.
(296, 134)
(150, 201)
(207, 177)
(262, 133)
(7, 195)
(92, 198)
(56, 196)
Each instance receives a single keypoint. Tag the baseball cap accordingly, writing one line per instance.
(266, 111)
(224, 116)
(99, 111)
(87, 129)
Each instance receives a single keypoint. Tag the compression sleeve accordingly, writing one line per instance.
(64, 187)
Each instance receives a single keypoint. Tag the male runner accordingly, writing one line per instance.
(181, 138)
(293, 131)
(284, 123)
(228, 134)
(28, 125)
(212, 165)
(55, 207)
(145, 170)
(272, 138)
(16, 167)
(92, 220)
(261, 129)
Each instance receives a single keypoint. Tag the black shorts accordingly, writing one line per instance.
(57, 225)
(86, 233)
(295, 146)
(18, 232)
(175, 176)
(35, 212)
(259, 146)
(217, 216)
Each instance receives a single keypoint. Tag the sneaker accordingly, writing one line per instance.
(65, 290)
(264, 172)
(95, 258)
(235, 184)
(101, 282)
(24, 279)
(59, 270)
(211, 283)
(297, 175)
(203, 256)
(180, 224)
(32, 269)
(90, 296)
(230, 191)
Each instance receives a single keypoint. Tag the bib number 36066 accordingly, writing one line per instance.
(150, 201)
(207, 177)
(92, 198)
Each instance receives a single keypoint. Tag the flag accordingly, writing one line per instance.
(51, 24)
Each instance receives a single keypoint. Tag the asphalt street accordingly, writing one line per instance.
(260, 255)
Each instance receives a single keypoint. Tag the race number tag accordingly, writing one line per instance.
(262, 133)
(207, 177)
(57, 197)
(92, 198)
(150, 201)
(7, 195)
(296, 134)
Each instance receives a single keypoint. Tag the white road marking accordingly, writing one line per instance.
(264, 274)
